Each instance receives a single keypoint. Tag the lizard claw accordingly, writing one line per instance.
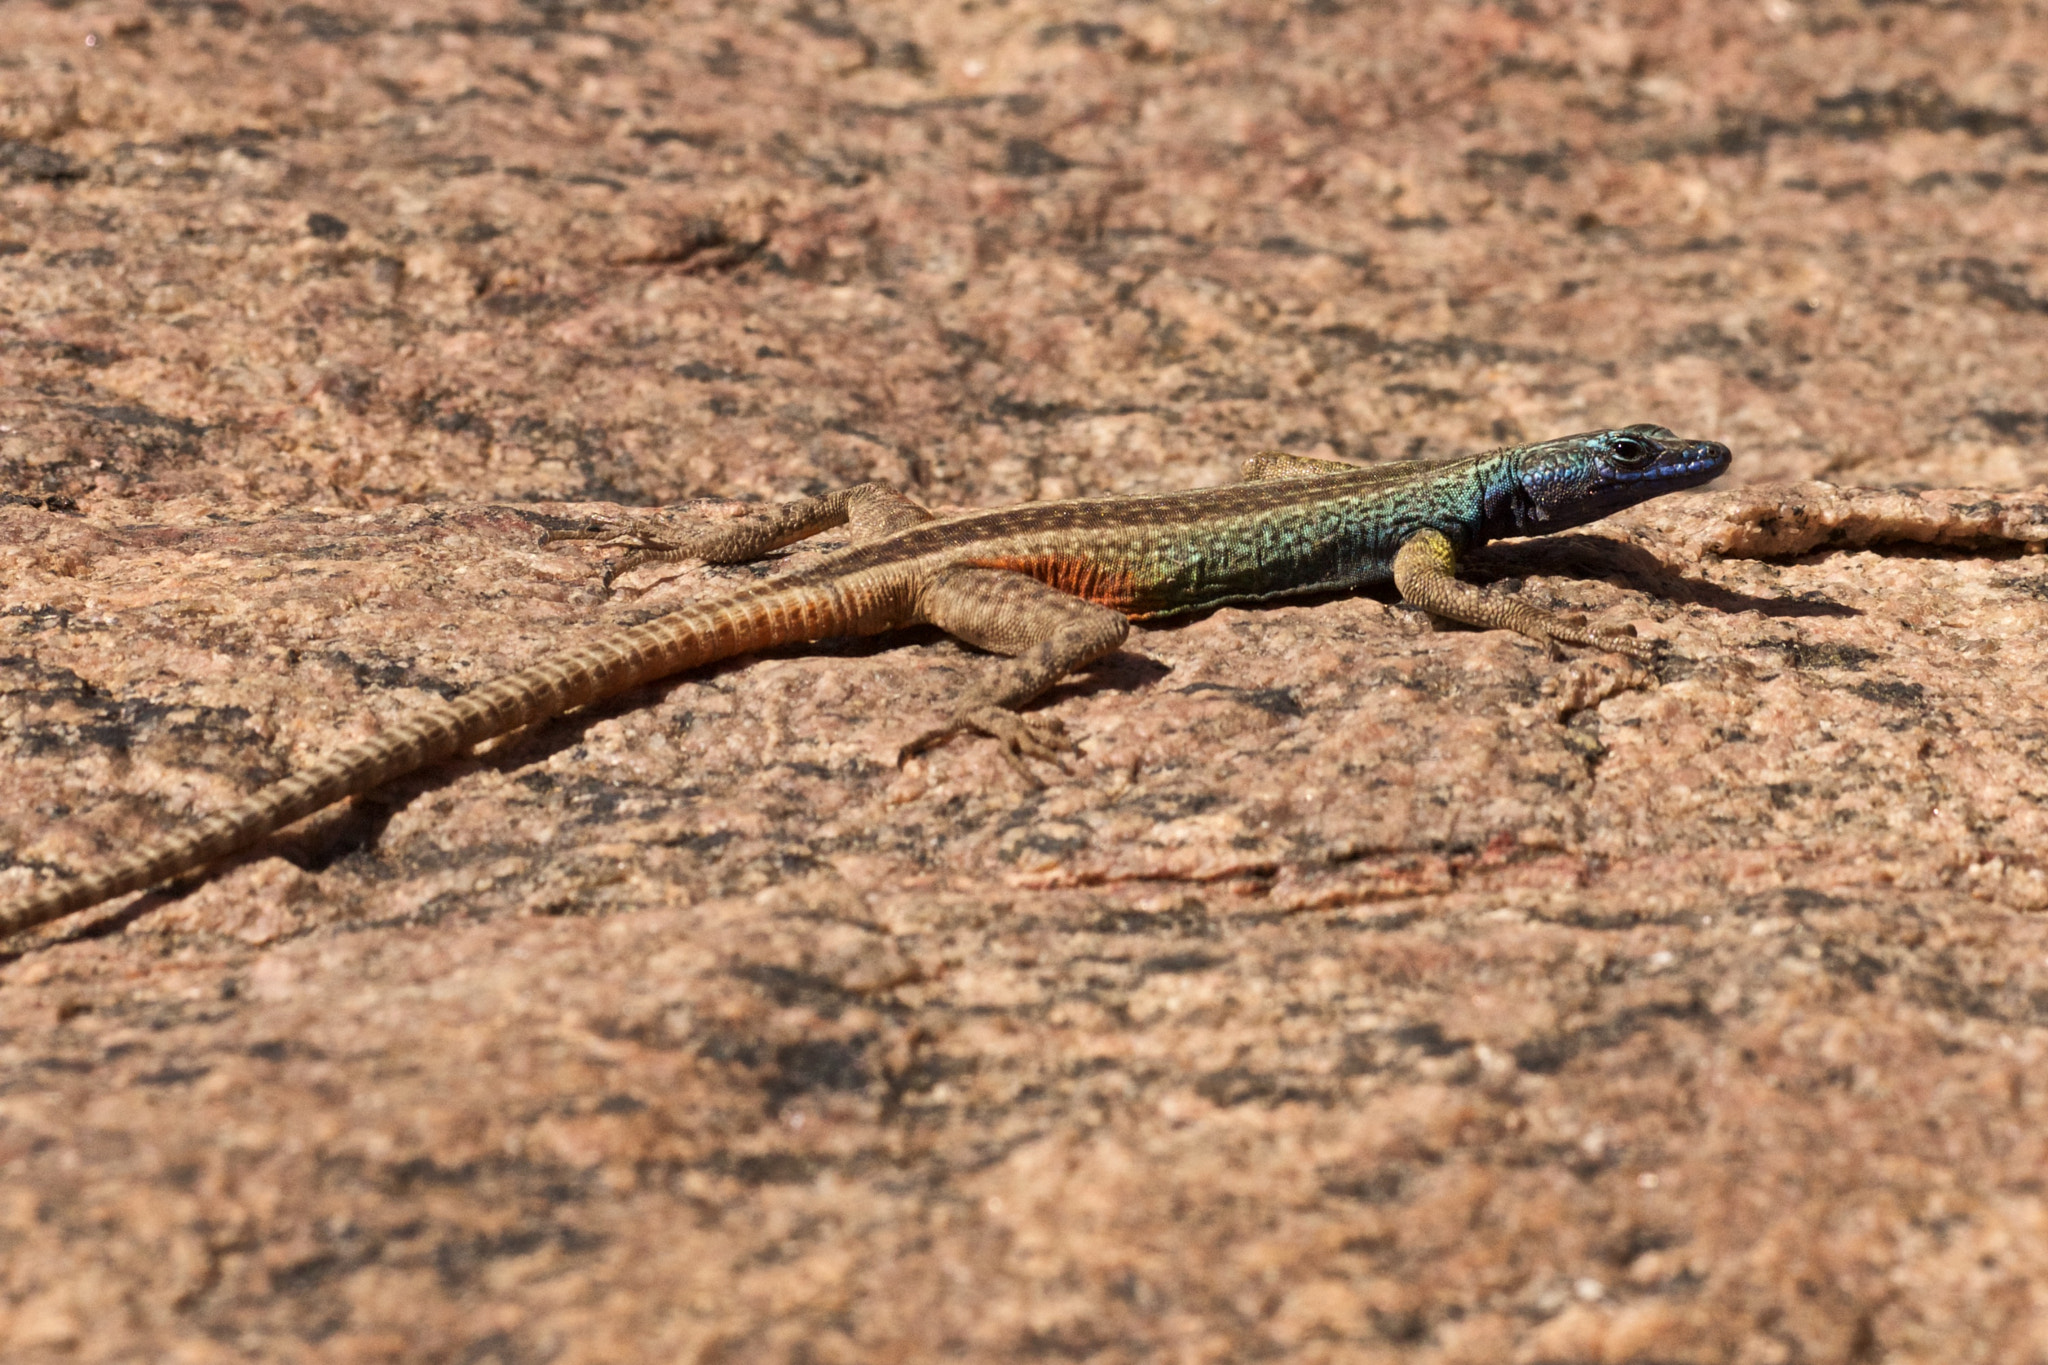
(1622, 640)
(1573, 630)
(641, 542)
(1020, 737)
(589, 530)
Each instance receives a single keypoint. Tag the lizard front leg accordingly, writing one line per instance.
(1425, 571)
(873, 510)
(1046, 633)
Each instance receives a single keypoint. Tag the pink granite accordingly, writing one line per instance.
(1367, 992)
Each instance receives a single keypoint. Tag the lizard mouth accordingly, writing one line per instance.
(1680, 464)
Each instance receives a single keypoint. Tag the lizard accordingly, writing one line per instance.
(1049, 587)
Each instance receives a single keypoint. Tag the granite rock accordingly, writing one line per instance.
(1366, 991)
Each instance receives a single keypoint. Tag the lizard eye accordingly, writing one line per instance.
(1630, 451)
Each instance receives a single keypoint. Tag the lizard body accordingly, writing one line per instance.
(1050, 586)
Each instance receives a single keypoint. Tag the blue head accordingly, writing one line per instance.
(1555, 485)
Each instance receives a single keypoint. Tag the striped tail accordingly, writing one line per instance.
(756, 618)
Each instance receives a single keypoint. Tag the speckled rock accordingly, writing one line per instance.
(1366, 992)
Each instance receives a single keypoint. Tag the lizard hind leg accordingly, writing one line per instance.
(872, 510)
(875, 510)
(1045, 634)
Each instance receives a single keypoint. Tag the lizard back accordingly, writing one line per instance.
(1153, 555)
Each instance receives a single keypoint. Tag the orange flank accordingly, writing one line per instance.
(1097, 583)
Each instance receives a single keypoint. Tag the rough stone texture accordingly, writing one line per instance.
(1367, 993)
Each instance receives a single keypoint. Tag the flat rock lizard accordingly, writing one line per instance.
(1050, 587)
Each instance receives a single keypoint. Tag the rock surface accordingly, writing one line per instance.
(1366, 992)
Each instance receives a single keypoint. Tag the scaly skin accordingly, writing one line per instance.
(1052, 586)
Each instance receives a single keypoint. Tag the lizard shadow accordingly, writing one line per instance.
(355, 827)
(339, 832)
(1567, 556)
(312, 845)
(102, 926)
(1583, 556)
(1123, 670)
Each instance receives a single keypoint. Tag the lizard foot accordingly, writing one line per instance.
(1021, 737)
(1625, 643)
(622, 532)
(641, 540)
(1559, 631)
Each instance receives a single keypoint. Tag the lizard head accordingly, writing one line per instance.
(1576, 479)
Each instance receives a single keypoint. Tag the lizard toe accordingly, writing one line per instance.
(1018, 738)
(1624, 641)
(1044, 750)
(1041, 737)
(588, 530)
(930, 739)
(1022, 769)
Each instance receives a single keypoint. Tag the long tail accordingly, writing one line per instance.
(758, 617)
